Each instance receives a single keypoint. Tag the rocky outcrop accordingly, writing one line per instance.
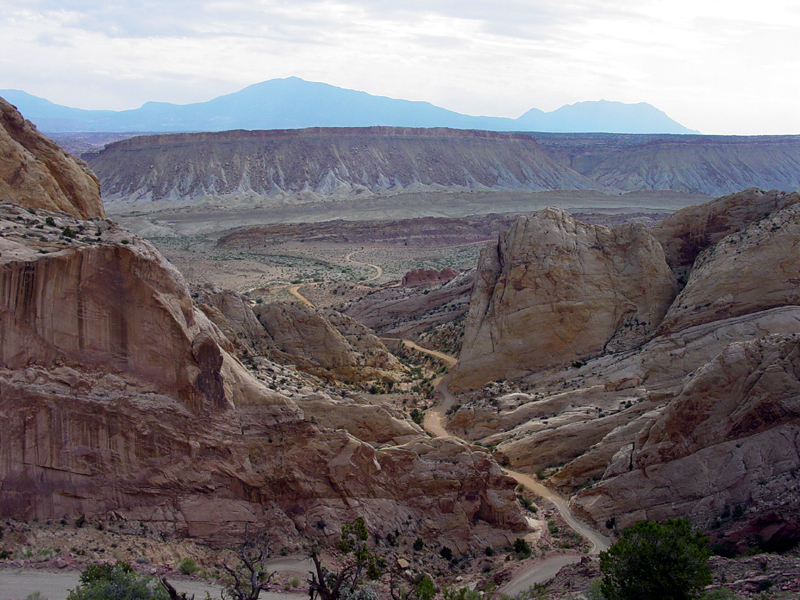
(687, 232)
(405, 312)
(730, 438)
(36, 173)
(696, 418)
(554, 290)
(425, 277)
(120, 397)
(327, 344)
(750, 270)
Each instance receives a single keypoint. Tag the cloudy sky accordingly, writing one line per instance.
(719, 66)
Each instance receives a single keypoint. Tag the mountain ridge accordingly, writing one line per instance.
(293, 103)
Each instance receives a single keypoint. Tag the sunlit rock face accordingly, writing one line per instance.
(35, 172)
(554, 290)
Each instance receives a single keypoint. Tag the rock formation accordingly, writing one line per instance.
(326, 162)
(121, 398)
(425, 277)
(326, 344)
(694, 418)
(554, 290)
(711, 165)
(36, 173)
(730, 438)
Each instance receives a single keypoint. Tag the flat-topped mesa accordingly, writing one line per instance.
(325, 162)
(555, 290)
(36, 173)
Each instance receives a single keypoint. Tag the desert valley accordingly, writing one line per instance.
(495, 350)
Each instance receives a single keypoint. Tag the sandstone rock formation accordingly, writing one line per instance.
(687, 232)
(424, 277)
(751, 270)
(554, 290)
(696, 417)
(326, 344)
(730, 438)
(119, 395)
(36, 173)
(405, 312)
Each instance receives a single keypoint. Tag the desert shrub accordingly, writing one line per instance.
(522, 547)
(120, 581)
(187, 566)
(657, 561)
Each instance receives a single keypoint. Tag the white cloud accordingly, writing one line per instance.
(722, 67)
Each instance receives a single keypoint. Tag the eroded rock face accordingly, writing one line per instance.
(750, 270)
(699, 417)
(35, 172)
(730, 438)
(686, 233)
(556, 290)
(118, 394)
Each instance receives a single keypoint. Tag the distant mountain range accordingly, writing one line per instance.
(293, 103)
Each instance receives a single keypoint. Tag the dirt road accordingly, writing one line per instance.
(545, 570)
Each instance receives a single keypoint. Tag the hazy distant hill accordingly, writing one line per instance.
(293, 103)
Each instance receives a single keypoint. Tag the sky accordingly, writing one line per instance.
(720, 67)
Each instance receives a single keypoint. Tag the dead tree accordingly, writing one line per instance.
(251, 577)
(352, 543)
(327, 585)
(173, 593)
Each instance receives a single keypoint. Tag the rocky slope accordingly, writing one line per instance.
(327, 344)
(121, 398)
(697, 416)
(319, 164)
(36, 173)
(711, 165)
(325, 163)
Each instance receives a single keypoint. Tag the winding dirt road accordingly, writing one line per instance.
(378, 269)
(545, 570)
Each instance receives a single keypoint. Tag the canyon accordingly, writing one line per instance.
(123, 396)
(647, 372)
(637, 353)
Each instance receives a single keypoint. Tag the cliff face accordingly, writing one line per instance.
(120, 397)
(555, 290)
(731, 438)
(36, 173)
(326, 162)
(707, 164)
(696, 416)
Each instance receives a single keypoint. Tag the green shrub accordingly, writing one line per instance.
(522, 548)
(187, 566)
(657, 561)
(120, 582)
